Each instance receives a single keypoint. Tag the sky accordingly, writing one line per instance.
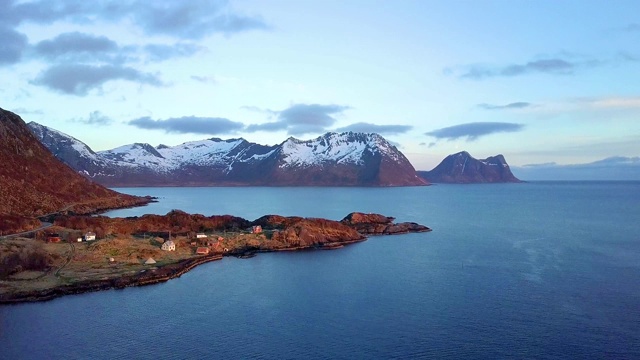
(548, 84)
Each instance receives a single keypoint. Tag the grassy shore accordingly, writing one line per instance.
(111, 262)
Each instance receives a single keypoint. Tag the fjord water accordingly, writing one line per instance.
(533, 270)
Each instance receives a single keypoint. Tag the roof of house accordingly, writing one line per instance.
(150, 261)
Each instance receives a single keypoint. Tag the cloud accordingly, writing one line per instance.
(82, 48)
(300, 119)
(269, 127)
(12, 45)
(24, 111)
(75, 43)
(257, 109)
(473, 131)
(178, 19)
(513, 105)
(192, 19)
(189, 125)
(611, 168)
(373, 128)
(95, 118)
(161, 52)
(609, 161)
(630, 102)
(204, 79)
(78, 79)
(554, 66)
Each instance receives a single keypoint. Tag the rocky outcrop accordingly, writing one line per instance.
(33, 182)
(462, 168)
(376, 224)
(306, 233)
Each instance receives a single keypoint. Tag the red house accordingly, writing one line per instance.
(202, 251)
(53, 238)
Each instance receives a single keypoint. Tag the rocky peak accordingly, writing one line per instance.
(461, 167)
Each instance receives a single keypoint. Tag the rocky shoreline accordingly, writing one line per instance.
(148, 277)
(285, 234)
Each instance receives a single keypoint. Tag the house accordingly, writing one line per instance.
(169, 246)
(53, 238)
(79, 239)
(201, 235)
(257, 229)
(202, 250)
(89, 236)
(149, 261)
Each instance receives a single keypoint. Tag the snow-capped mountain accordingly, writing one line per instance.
(463, 168)
(334, 159)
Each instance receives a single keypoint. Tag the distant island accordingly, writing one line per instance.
(462, 168)
(67, 258)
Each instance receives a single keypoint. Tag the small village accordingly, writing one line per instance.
(199, 243)
(60, 259)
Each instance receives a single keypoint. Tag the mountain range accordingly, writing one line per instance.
(462, 168)
(333, 159)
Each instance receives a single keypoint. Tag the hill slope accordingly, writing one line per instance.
(33, 182)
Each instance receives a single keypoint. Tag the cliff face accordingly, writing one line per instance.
(33, 182)
(462, 168)
(334, 159)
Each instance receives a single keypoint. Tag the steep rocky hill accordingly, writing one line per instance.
(33, 182)
(334, 159)
(462, 168)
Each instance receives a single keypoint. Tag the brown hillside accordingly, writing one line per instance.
(34, 183)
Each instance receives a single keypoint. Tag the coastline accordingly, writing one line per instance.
(148, 277)
(119, 262)
(151, 276)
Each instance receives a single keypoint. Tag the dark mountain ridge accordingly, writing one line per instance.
(462, 168)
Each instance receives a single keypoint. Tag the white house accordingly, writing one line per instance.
(90, 236)
(201, 235)
(169, 246)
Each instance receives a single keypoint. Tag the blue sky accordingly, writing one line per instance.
(542, 82)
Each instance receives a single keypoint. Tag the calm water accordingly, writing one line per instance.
(536, 270)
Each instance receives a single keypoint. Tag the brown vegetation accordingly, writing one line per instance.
(10, 224)
(118, 258)
(34, 183)
(177, 222)
(29, 255)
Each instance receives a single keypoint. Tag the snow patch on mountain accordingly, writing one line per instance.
(343, 148)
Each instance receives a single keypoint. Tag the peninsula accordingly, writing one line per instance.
(121, 252)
